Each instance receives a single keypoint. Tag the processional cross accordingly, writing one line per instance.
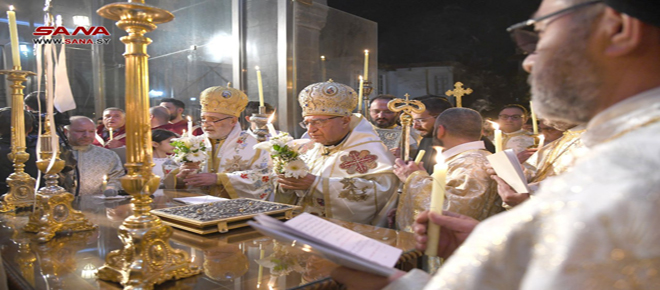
(458, 92)
(406, 107)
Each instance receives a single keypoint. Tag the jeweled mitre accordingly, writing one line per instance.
(327, 98)
(224, 100)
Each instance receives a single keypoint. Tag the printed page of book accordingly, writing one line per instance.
(333, 242)
(506, 165)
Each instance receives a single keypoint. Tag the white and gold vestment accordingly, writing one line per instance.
(595, 227)
(518, 140)
(555, 158)
(242, 170)
(470, 190)
(391, 137)
(354, 178)
(93, 163)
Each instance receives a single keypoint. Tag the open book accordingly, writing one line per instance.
(506, 165)
(333, 242)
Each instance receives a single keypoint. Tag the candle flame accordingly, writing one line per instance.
(256, 67)
(495, 125)
(439, 159)
(360, 77)
(11, 7)
(366, 51)
(105, 178)
(323, 57)
(189, 119)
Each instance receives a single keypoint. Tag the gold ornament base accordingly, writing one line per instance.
(54, 215)
(21, 192)
(147, 258)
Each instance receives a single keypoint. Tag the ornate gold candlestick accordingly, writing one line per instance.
(260, 120)
(366, 91)
(146, 258)
(406, 107)
(21, 184)
(54, 213)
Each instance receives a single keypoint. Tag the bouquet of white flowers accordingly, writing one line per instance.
(286, 160)
(190, 149)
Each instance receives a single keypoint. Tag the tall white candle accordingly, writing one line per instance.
(498, 137)
(437, 200)
(13, 36)
(420, 155)
(261, 87)
(360, 92)
(190, 125)
(535, 125)
(366, 65)
(323, 75)
(105, 182)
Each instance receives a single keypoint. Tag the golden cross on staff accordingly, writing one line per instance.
(406, 107)
(458, 92)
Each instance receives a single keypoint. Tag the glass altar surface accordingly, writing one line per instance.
(240, 259)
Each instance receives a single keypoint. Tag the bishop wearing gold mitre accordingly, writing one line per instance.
(350, 176)
(234, 168)
(469, 189)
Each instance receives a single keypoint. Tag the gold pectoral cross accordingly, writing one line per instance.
(458, 92)
(406, 107)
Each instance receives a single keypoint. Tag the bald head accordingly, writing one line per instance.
(81, 131)
(159, 116)
(462, 123)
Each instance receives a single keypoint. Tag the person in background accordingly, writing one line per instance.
(160, 142)
(175, 108)
(114, 120)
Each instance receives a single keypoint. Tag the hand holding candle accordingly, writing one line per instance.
(437, 201)
(13, 36)
(261, 87)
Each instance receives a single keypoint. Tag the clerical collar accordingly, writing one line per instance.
(475, 145)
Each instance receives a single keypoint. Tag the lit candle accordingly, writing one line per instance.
(269, 125)
(437, 200)
(323, 68)
(261, 87)
(498, 137)
(360, 88)
(535, 125)
(261, 267)
(105, 182)
(420, 155)
(13, 36)
(541, 142)
(183, 134)
(190, 125)
(366, 65)
(111, 134)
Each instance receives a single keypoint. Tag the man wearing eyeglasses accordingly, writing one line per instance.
(595, 227)
(350, 170)
(511, 120)
(385, 124)
(234, 168)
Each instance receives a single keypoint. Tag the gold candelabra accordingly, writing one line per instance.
(53, 213)
(147, 257)
(21, 184)
(406, 107)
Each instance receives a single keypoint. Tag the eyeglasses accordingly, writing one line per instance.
(512, 117)
(316, 123)
(421, 120)
(213, 121)
(524, 35)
